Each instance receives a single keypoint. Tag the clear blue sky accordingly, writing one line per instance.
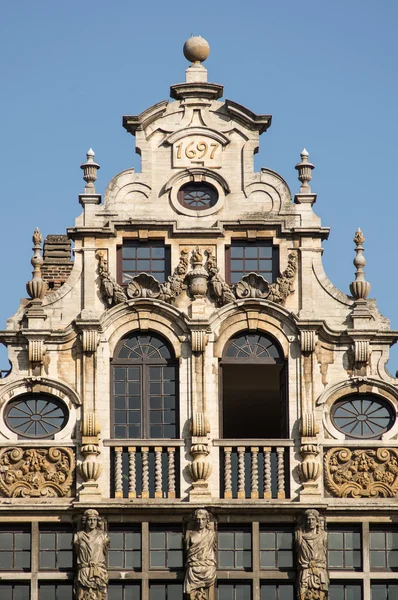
(326, 71)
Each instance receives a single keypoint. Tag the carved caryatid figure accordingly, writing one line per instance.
(311, 544)
(201, 553)
(91, 548)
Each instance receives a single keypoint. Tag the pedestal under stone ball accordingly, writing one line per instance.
(196, 49)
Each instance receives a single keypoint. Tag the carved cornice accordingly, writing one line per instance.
(361, 473)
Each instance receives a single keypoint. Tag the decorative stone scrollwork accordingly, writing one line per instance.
(91, 545)
(311, 547)
(252, 286)
(310, 468)
(36, 472)
(111, 292)
(361, 473)
(281, 289)
(201, 551)
(219, 289)
(307, 338)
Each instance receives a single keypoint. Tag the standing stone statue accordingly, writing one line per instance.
(201, 557)
(91, 548)
(311, 545)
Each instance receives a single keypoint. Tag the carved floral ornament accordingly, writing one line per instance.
(361, 473)
(199, 280)
(36, 472)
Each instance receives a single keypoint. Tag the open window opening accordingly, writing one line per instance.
(253, 383)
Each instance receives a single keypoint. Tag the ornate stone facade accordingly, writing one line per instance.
(195, 354)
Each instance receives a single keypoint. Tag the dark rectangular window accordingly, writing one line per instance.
(345, 591)
(344, 549)
(234, 591)
(127, 389)
(384, 591)
(125, 549)
(276, 548)
(257, 257)
(133, 386)
(57, 591)
(384, 549)
(162, 402)
(143, 257)
(55, 549)
(164, 591)
(276, 591)
(15, 549)
(124, 591)
(165, 548)
(234, 548)
(15, 591)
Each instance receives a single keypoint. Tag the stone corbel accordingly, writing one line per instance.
(198, 340)
(36, 348)
(361, 352)
(90, 329)
(308, 339)
(309, 428)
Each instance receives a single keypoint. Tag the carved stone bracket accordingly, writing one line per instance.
(200, 426)
(307, 338)
(198, 340)
(90, 330)
(36, 472)
(36, 350)
(309, 428)
(90, 469)
(361, 352)
(361, 473)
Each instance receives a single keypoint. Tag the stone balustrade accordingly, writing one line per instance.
(254, 468)
(148, 469)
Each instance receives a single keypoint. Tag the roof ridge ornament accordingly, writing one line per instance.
(304, 169)
(90, 168)
(359, 288)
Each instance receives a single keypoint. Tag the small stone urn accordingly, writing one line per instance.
(198, 277)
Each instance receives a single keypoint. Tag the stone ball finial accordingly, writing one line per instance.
(196, 49)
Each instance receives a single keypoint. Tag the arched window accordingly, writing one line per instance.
(253, 374)
(144, 388)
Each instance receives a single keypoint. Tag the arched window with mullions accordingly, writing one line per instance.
(144, 388)
(253, 388)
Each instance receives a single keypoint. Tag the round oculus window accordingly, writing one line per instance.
(197, 196)
(36, 416)
(363, 416)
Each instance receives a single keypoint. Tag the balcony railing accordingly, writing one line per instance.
(148, 469)
(254, 468)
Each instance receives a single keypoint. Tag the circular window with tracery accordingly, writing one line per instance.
(363, 416)
(197, 196)
(36, 416)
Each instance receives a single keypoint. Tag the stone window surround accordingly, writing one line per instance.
(197, 175)
(37, 386)
(350, 388)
